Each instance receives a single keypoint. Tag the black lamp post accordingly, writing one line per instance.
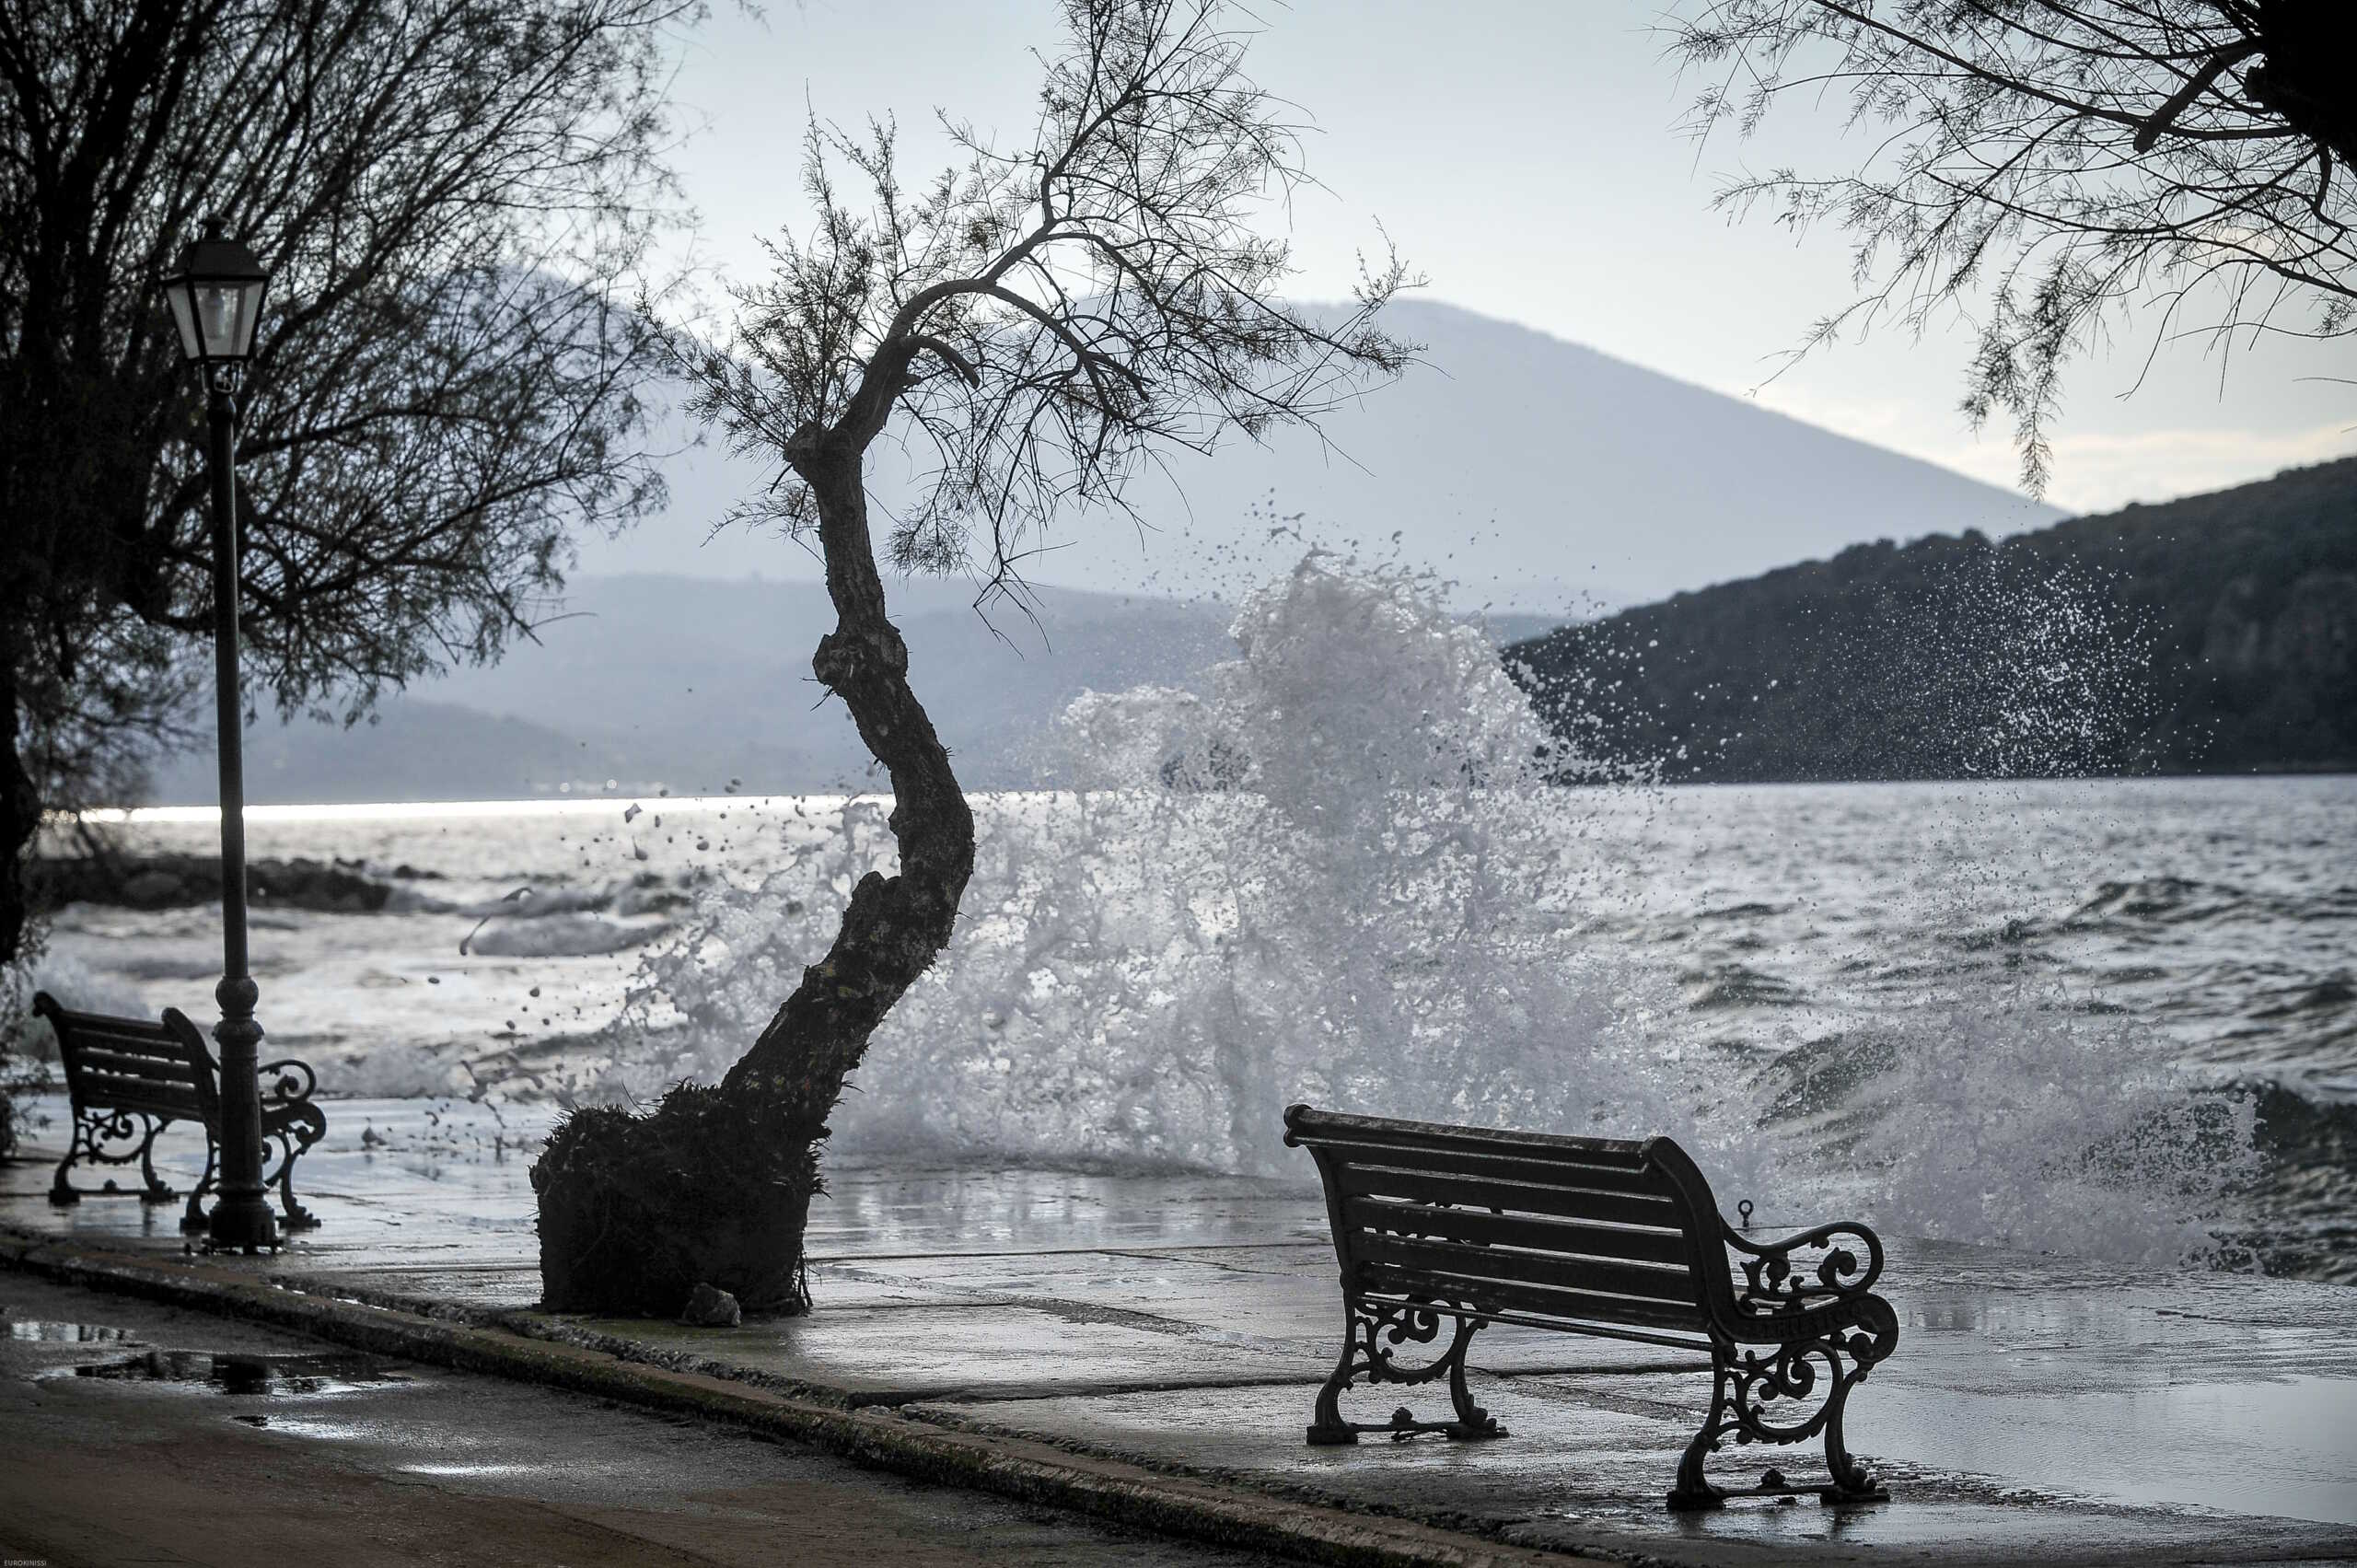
(216, 300)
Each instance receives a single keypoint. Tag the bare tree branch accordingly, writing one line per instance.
(1098, 296)
(2052, 165)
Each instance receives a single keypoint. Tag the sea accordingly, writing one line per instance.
(2104, 1016)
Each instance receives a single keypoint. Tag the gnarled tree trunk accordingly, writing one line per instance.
(715, 1185)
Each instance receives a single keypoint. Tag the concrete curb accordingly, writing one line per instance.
(1021, 1468)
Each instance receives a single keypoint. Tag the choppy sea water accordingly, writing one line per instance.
(1921, 999)
(2095, 1016)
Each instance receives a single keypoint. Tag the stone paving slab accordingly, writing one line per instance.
(1585, 1468)
(485, 1287)
(1196, 1292)
(2039, 1409)
(979, 1350)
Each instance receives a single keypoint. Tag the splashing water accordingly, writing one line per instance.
(2003, 1120)
(1342, 876)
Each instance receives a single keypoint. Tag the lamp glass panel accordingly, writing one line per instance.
(219, 308)
(250, 315)
(185, 320)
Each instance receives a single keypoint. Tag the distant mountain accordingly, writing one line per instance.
(416, 750)
(692, 684)
(2213, 633)
(1539, 475)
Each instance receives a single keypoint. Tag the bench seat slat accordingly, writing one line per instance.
(1629, 1242)
(1454, 1259)
(1692, 1339)
(1601, 1177)
(97, 1084)
(158, 1044)
(1566, 1203)
(1541, 1300)
(172, 1069)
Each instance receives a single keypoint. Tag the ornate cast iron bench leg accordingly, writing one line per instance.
(192, 1217)
(293, 1140)
(1693, 1491)
(1875, 1337)
(61, 1190)
(1745, 1384)
(158, 1189)
(1853, 1482)
(94, 1131)
(1328, 1430)
(1366, 1325)
(291, 1124)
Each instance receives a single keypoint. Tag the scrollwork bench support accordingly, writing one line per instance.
(1372, 1334)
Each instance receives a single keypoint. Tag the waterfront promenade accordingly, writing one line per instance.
(1148, 1347)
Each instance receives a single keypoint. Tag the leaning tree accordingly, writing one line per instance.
(2049, 167)
(454, 199)
(1041, 322)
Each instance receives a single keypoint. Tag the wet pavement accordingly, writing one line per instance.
(2037, 1409)
(169, 1436)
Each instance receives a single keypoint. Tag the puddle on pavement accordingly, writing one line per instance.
(247, 1375)
(68, 1333)
(286, 1425)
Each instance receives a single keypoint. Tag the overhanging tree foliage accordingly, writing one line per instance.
(1041, 322)
(2048, 165)
(450, 196)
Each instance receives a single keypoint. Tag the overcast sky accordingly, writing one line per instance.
(1528, 157)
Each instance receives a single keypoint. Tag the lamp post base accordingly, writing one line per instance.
(241, 1225)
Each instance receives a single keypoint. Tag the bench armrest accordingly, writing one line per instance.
(280, 1083)
(1774, 1281)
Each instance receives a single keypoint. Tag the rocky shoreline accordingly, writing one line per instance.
(181, 881)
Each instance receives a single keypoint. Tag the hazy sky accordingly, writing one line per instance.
(1526, 158)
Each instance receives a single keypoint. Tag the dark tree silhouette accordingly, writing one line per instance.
(449, 195)
(1043, 322)
(2056, 166)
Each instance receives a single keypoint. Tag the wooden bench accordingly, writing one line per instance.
(128, 1079)
(1590, 1236)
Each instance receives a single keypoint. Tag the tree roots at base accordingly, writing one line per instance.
(637, 1211)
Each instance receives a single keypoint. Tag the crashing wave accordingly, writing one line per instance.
(1345, 875)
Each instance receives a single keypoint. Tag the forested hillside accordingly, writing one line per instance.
(2216, 633)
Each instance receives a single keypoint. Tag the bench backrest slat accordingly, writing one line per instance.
(1645, 1245)
(131, 1036)
(1332, 1126)
(171, 1069)
(1659, 1209)
(1650, 1282)
(1589, 1230)
(1597, 1175)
